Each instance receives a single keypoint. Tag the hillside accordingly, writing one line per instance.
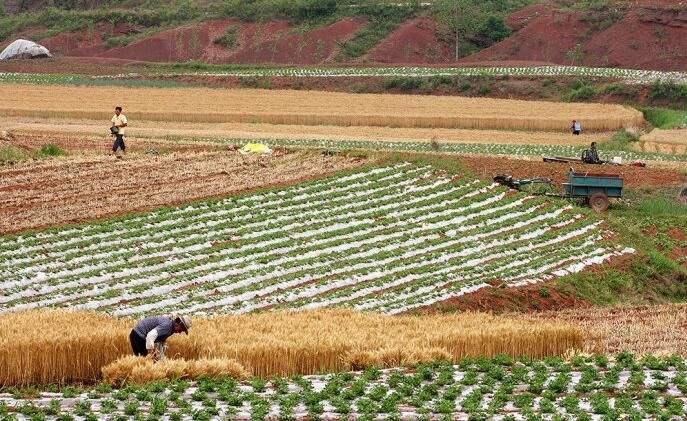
(598, 34)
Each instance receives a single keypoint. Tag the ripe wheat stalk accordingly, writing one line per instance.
(51, 346)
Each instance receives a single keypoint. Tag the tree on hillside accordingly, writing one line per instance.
(460, 17)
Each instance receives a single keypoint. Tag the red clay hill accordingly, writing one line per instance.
(631, 35)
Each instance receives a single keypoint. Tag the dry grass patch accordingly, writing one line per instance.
(41, 347)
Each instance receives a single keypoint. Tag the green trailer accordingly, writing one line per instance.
(596, 189)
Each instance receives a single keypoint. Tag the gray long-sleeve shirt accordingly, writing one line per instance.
(155, 329)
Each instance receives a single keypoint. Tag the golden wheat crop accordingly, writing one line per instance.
(188, 131)
(132, 369)
(51, 346)
(309, 108)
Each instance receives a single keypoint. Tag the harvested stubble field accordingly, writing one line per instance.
(309, 108)
(86, 187)
(141, 130)
(664, 141)
(73, 346)
(647, 329)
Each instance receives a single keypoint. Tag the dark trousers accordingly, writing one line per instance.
(138, 344)
(118, 143)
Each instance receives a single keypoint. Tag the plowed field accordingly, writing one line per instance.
(80, 188)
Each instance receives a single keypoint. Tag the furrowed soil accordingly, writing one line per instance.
(81, 188)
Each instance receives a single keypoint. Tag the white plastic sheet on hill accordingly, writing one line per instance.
(22, 48)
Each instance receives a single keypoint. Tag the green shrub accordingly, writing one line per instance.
(403, 83)
(668, 91)
(295, 10)
(664, 118)
(581, 90)
(621, 89)
(12, 155)
(51, 150)
(493, 30)
(228, 39)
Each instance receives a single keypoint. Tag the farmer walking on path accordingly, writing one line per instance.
(155, 330)
(118, 129)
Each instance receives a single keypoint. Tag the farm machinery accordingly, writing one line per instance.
(596, 190)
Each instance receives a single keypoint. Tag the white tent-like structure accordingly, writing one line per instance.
(22, 48)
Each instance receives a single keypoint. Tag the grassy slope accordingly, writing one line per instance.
(643, 222)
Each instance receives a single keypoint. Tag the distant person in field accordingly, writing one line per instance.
(118, 129)
(591, 155)
(576, 127)
(156, 329)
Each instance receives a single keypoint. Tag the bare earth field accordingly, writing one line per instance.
(86, 187)
(309, 108)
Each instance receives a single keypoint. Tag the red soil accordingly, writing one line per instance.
(652, 37)
(269, 42)
(178, 44)
(530, 298)
(415, 41)
(487, 167)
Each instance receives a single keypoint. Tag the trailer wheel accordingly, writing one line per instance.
(599, 202)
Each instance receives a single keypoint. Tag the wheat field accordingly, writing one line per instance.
(186, 130)
(204, 105)
(50, 346)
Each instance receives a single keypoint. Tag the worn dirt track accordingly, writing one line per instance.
(83, 188)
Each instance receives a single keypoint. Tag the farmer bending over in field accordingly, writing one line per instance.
(155, 330)
(576, 127)
(118, 128)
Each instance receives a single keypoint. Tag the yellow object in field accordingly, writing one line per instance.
(256, 148)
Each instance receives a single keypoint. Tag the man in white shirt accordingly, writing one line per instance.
(576, 127)
(118, 129)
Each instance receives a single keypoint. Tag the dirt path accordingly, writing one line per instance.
(82, 188)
